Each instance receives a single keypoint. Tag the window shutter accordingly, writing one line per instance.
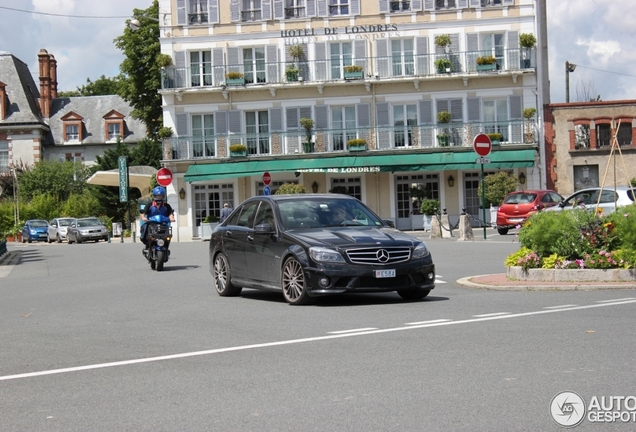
(182, 125)
(426, 111)
(421, 51)
(457, 113)
(382, 52)
(515, 107)
(213, 11)
(474, 112)
(475, 3)
(416, 5)
(320, 50)
(322, 117)
(429, 5)
(233, 62)
(454, 56)
(279, 10)
(472, 46)
(180, 64)
(291, 116)
(266, 10)
(271, 60)
(323, 10)
(181, 12)
(355, 7)
(305, 112)
(234, 121)
(514, 54)
(364, 114)
(462, 4)
(311, 8)
(276, 119)
(442, 105)
(382, 114)
(235, 11)
(218, 66)
(384, 6)
(220, 122)
(360, 53)
(513, 39)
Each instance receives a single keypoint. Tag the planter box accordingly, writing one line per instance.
(443, 141)
(206, 230)
(353, 75)
(357, 148)
(235, 81)
(238, 153)
(487, 67)
(572, 275)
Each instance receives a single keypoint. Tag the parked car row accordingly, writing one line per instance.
(518, 206)
(71, 230)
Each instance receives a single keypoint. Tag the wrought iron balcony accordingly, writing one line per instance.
(402, 66)
(397, 138)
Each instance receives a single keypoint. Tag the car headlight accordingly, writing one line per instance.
(320, 254)
(33, 232)
(420, 251)
(84, 232)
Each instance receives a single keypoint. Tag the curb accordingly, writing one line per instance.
(467, 282)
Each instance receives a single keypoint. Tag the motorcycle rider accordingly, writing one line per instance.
(158, 207)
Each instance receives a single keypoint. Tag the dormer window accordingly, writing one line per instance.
(114, 126)
(73, 127)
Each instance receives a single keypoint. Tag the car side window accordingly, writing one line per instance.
(265, 215)
(608, 196)
(246, 217)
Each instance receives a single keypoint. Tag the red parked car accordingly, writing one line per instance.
(520, 205)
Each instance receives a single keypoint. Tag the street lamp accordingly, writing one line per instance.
(135, 25)
(569, 67)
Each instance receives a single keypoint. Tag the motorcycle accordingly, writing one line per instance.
(158, 236)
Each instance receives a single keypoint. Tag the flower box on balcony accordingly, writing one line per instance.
(495, 138)
(486, 67)
(234, 78)
(357, 144)
(486, 63)
(238, 150)
(353, 72)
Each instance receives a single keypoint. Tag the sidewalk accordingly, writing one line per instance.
(501, 282)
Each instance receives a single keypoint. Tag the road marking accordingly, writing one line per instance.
(303, 340)
(491, 315)
(428, 322)
(616, 300)
(558, 307)
(352, 330)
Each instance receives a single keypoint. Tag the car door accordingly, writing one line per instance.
(260, 250)
(607, 201)
(235, 239)
(52, 230)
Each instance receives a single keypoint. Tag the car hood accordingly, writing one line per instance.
(353, 236)
(39, 229)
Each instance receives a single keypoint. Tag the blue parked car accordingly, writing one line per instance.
(35, 230)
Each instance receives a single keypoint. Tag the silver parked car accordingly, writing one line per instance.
(58, 228)
(610, 199)
(86, 229)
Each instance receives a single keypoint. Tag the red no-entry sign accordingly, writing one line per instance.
(164, 176)
(267, 179)
(482, 145)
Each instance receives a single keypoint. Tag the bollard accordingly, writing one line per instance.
(436, 229)
(134, 234)
(446, 227)
(108, 237)
(121, 237)
(465, 229)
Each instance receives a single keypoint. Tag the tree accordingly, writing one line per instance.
(55, 178)
(102, 86)
(586, 92)
(140, 77)
(497, 186)
(147, 152)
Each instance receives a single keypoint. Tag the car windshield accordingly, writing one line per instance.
(65, 222)
(39, 223)
(88, 222)
(520, 198)
(325, 212)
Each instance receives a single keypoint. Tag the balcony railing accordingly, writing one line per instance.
(378, 139)
(394, 67)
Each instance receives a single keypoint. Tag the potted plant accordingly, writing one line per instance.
(495, 138)
(527, 41)
(443, 65)
(443, 138)
(357, 144)
(353, 72)
(307, 124)
(528, 133)
(292, 71)
(443, 41)
(207, 226)
(234, 78)
(238, 150)
(486, 63)
(429, 208)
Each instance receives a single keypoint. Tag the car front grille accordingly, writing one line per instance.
(379, 256)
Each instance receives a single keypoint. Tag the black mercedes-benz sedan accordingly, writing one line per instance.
(310, 245)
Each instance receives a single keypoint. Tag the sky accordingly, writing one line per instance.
(599, 36)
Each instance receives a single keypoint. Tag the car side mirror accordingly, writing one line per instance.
(263, 229)
(389, 222)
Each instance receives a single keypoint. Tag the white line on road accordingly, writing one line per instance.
(352, 330)
(616, 300)
(297, 341)
(491, 315)
(428, 322)
(559, 307)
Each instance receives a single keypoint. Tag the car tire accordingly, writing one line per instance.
(502, 231)
(294, 284)
(417, 294)
(222, 278)
(24, 240)
(29, 239)
(58, 239)
(48, 239)
(68, 239)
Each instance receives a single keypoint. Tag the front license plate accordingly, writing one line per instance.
(516, 220)
(384, 273)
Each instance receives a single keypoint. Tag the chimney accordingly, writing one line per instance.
(44, 60)
(4, 102)
(53, 76)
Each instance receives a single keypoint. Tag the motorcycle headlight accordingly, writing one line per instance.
(420, 251)
(320, 254)
(160, 242)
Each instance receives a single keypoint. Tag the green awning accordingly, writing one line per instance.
(360, 164)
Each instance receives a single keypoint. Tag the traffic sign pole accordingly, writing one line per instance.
(483, 200)
(482, 146)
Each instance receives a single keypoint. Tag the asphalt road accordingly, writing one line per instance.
(92, 340)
